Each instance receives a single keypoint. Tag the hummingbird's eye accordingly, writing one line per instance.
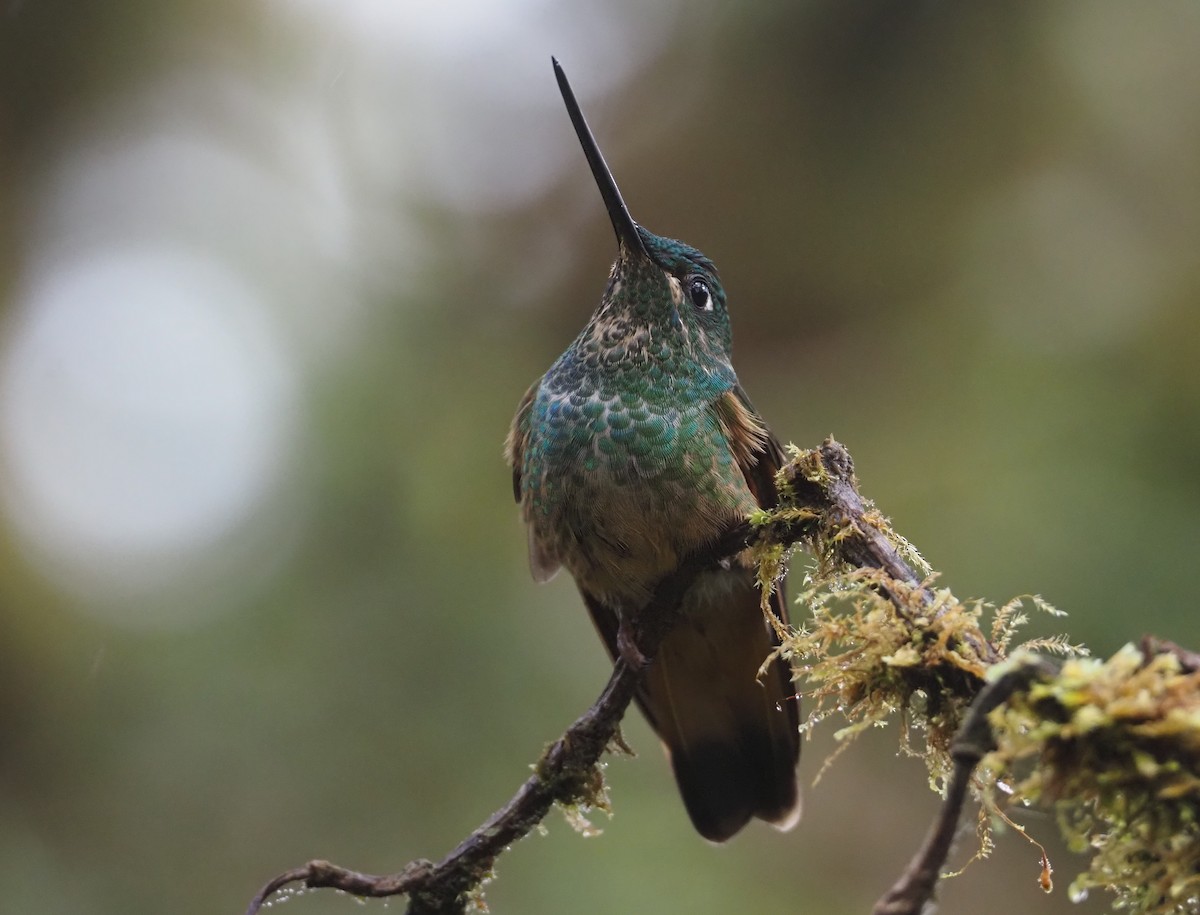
(699, 293)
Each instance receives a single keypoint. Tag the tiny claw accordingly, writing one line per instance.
(627, 647)
(618, 744)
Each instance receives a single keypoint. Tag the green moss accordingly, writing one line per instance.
(1114, 747)
(866, 661)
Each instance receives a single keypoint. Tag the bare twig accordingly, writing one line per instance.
(1152, 645)
(566, 774)
(915, 887)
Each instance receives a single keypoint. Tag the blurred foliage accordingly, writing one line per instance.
(959, 236)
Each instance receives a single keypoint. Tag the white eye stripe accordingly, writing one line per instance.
(676, 289)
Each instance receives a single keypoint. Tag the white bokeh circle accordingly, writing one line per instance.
(146, 409)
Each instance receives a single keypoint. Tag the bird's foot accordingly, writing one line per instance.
(627, 646)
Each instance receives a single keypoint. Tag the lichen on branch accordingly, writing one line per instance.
(1113, 746)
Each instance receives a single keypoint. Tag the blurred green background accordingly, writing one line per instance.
(275, 276)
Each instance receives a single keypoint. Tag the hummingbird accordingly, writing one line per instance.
(635, 450)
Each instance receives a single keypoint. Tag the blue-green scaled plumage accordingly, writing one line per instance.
(637, 448)
(626, 466)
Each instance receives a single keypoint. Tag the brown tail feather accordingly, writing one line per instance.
(733, 739)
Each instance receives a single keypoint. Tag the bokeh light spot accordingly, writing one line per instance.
(145, 410)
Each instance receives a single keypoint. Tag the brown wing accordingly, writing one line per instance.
(757, 451)
(543, 563)
(759, 456)
(518, 438)
(733, 738)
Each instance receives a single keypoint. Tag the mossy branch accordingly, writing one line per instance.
(1114, 745)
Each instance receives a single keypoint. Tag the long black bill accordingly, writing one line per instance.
(626, 228)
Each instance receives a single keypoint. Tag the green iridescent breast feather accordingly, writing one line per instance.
(631, 400)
